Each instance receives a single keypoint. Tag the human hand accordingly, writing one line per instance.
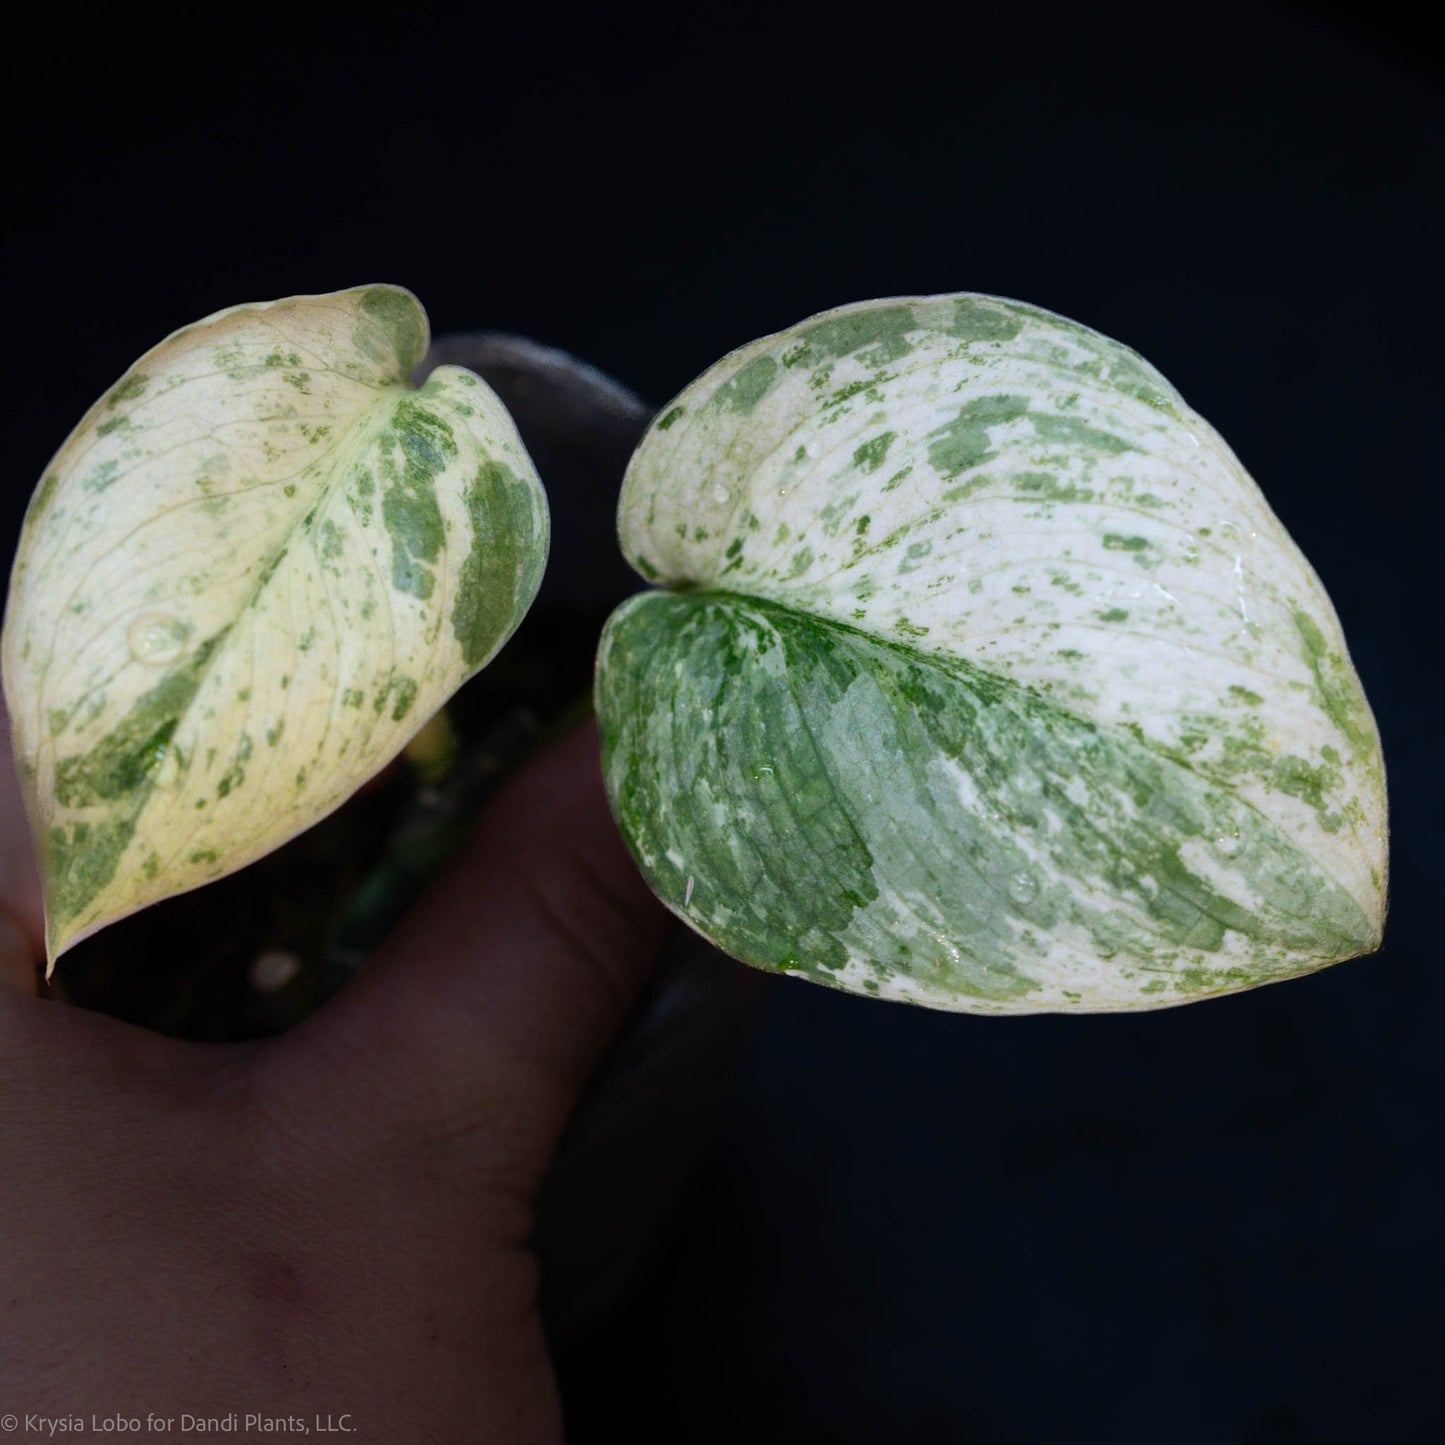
(334, 1222)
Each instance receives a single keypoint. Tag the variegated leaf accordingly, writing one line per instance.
(254, 570)
(984, 676)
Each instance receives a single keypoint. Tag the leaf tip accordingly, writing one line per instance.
(392, 321)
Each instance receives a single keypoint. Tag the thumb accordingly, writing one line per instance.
(511, 976)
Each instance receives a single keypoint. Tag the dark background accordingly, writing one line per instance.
(1214, 1224)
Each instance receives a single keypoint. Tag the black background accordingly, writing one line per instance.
(1220, 1223)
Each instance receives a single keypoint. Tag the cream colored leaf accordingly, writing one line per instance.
(253, 572)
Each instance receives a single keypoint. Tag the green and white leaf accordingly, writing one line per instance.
(984, 676)
(252, 573)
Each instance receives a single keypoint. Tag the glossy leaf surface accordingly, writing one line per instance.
(254, 570)
(984, 676)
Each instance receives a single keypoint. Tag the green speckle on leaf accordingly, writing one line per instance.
(43, 493)
(742, 391)
(400, 691)
(978, 320)
(409, 506)
(235, 774)
(880, 333)
(403, 695)
(101, 477)
(131, 389)
(1076, 435)
(964, 443)
(869, 457)
(1338, 692)
(1046, 487)
(503, 567)
(268, 569)
(79, 860)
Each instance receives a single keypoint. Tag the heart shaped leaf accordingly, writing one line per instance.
(254, 570)
(984, 677)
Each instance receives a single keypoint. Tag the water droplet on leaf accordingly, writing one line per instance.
(157, 638)
(1023, 888)
(165, 768)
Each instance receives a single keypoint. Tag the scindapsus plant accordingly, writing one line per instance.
(978, 672)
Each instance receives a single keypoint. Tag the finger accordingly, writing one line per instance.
(22, 939)
(513, 974)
